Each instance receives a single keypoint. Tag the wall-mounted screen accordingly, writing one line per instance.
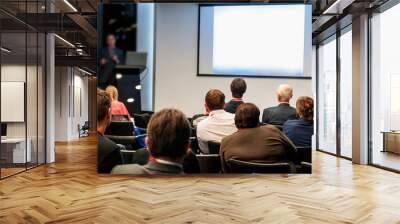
(255, 40)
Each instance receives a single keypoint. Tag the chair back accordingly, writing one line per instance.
(213, 147)
(194, 145)
(141, 120)
(140, 156)
(238, 166)
(119, 118)
(304, 154)
(120, 129)
(209, 163)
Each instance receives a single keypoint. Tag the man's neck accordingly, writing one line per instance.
(236, 98)
(101, 129)
(169, 160)
(283, 102)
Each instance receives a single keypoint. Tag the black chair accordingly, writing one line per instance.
(120, 128)
(140, 156)
(213, 147)
(304, 154)
(238, 166)
(141, 120)
(194, 145)
(120, 118)
(84, 129)
(209, 163)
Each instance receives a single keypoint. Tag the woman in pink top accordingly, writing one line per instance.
(117, 107)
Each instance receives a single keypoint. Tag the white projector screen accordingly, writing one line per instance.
(255, 40)
(12, 101)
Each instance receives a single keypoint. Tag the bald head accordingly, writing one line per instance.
(285, 93)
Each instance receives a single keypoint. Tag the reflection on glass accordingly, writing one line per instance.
(386, 89)
(327, 96)
(346, 94)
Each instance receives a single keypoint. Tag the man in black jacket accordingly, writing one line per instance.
(278, 115)
(110, 57)
(108, 153)
(238, 88)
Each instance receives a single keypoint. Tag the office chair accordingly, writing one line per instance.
(304, 154)
(214, 147)
(238, 166)
(209, 163)
(140, 156)
(119, 118)
(141, 120)
(304, 168)
(123, 133)
(84, 129)
(194, 145)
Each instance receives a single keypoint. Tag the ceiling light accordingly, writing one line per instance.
(118, 76)
(138, 87)
(70, 5)
(64, 40)
(130, 100)
(5, 50)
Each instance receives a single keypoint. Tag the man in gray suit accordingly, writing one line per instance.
(278, 115)
(168, 136)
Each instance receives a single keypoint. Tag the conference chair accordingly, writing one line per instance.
(209, 163)
(120, 118)
(194, 145)
(123, 133)
(238, 166)
(140, 156)
(214, 147)
(84, 129)
(304, 154)
(141, 120)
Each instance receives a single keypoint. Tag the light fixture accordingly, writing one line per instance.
(5, 50)
(118, 76)
(130, 100)
(138, 87)
(70, 5)
(64, 40)
(84, 71)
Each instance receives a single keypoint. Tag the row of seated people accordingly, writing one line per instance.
(248, 140)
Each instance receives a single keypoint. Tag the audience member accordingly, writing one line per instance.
(280, 114)
(218, 124)
(300, 131)
(117, 107)
(108, 153)
(168, 134)
(255, 143)
(238, 88)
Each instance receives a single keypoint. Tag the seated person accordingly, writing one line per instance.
(108, 153)
(167, 140)
(117, 107)
(238, 88)
(218, 124)
(255, 143)
(280, 114)
(300, 131)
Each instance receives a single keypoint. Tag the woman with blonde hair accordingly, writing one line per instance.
(117, 107)
(300, 130)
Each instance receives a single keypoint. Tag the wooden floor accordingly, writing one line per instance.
(70, 191)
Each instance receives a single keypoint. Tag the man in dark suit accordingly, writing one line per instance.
(110, 57)
(108, 153)
(168, 136)
(278, 115)
(238, 88)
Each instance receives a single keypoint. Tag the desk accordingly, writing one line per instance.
(391, 141)
(13, 150)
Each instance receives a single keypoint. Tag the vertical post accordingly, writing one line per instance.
(360, 90)
(50, 93)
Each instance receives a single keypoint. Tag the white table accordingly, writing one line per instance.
(18, 147)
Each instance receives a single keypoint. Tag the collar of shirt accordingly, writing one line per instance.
(212, 113)
(168, 163)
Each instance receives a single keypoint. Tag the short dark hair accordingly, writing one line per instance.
(238, 87)
(103, 105)
(168, 133)
(305, 107)
(215, 99)
(247, 116)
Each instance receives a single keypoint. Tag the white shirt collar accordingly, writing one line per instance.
(216, 112)
(162, 161)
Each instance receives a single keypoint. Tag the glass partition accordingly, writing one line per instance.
(327, 96)
(385, 89)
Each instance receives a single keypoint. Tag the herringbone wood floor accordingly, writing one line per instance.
(70, 191)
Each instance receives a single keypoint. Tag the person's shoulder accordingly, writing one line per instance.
(291, 122)
(131, 169)
(269, 127)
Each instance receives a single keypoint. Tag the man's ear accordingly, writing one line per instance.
(207, 109)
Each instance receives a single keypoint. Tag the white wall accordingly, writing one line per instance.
(145, 43)
(71, 96)
(176, 81)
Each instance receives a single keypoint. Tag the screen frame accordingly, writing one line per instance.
(235, 75)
